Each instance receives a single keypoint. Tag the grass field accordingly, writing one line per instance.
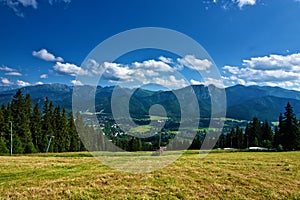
(141, 129)
(231, 175)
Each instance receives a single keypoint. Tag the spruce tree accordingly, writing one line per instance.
(38, 138)
(254, 132)
(75, 143)
(21, 108)
(47, 124)
(267, 135)
(289, 129)
(240, 137)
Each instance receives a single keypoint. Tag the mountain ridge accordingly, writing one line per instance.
(243, 102)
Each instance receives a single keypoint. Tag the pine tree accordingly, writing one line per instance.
(240, 137)
(75, 143)
(64, 132)
(21, 108)
(289, 130)
(47, 125)
(254, 132)
(36, 129)
(267, 135)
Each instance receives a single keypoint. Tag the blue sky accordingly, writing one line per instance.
(253, 42)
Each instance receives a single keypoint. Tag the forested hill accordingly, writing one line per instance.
(243, 102)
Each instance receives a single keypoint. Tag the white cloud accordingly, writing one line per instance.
(216, 82)
(232, 69)
(76, 82)
(69, 69)
(114, 71)
(45, 55)
(39, 83)
(7, 69)
(229, 4)
(158, 66)
(5, 81)
(194, 82)
(94, 68)
(137, 73)
(13, 74)
(10, 71)
(165, 60)
(22, 83)
(44, 76)
(272, 70)
(242, 3)
(274, 61)
(170, 82)
(18, 5)
(164, 71)
(193, 63)
(28, 3)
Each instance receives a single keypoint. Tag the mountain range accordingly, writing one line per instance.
(243, 102)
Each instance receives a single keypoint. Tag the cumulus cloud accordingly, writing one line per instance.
(195, 82)
(274, 61)
(136, 73)
(242, 3)
(69, 69)
(44, 76)
(76, 82)
(5, 81)
(164, 71)
(271, 70)
(170, 82)
(39, 83)
(216, 82)
(45, 55)
(229, 4)
(22, 83)
(194, 63)
(158, 66)
(166, 60)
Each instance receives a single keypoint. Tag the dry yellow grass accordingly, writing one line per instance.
(238, 175)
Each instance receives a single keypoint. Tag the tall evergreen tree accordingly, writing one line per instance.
(239, 137)
(75, 142)
(289, 130)
(254, 132)
(47, 124)
(38, 138)
(21, 108)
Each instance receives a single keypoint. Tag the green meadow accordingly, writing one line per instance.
(220, 175)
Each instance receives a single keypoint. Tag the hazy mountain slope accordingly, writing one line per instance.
(243, 102)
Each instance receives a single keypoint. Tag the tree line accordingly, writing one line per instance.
(32, 127)
(285, 136)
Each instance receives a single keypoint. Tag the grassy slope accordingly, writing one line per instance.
(217, 176)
